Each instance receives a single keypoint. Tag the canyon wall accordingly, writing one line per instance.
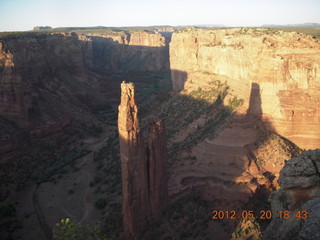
(126, 52)
(32, 67)
(48, 77)
(282, 68)
(144, 170)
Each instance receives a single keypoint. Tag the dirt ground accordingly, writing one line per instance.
(69, 195)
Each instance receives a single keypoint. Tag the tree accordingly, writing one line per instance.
(67, 230)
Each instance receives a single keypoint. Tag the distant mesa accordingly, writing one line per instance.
(301, 25)
(210, 26)
(38, 28)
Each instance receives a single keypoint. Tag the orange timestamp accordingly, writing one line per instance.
(249, 214)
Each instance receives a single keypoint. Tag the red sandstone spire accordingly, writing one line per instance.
(144, 172)
(135, 203)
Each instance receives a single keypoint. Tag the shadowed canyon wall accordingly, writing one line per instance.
(285, 65)
(144, 170)
(45, 77)
(126, 52)
(32, 67)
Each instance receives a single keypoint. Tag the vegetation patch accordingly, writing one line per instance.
(210, 127)
(7, 210)
(107, 184)
(247, 229)
(100, 203)
(67, 230)
(181, 109)
(274, 147)
(60, 161)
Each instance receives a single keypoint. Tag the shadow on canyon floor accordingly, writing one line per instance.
(211, 152)
(214, 163)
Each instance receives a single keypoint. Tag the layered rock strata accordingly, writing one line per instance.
(285, 66)
(144, 172)
(300, 197)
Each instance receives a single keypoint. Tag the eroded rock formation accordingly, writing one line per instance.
(300, 197)
(135, 203)
(144, 172)
(284, 64)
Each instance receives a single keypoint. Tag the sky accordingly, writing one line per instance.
(21, 15)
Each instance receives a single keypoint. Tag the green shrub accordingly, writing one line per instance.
(7, 210)
(100, 203)
(234, 103)
(59, 162)
(67, 230)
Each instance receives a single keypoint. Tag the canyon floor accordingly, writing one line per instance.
(67, 195)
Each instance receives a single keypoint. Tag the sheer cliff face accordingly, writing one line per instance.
(44, 77)
(30, 67)
(285, 66)
(126, 52)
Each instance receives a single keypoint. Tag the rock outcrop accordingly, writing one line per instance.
(285, 66)
(300, 197)
(144, 172)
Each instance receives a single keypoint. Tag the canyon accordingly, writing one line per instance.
(243, 103)
(51, 82)
(59, 92)
(61, 68)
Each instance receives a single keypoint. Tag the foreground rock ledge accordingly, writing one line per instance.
(300, 196)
